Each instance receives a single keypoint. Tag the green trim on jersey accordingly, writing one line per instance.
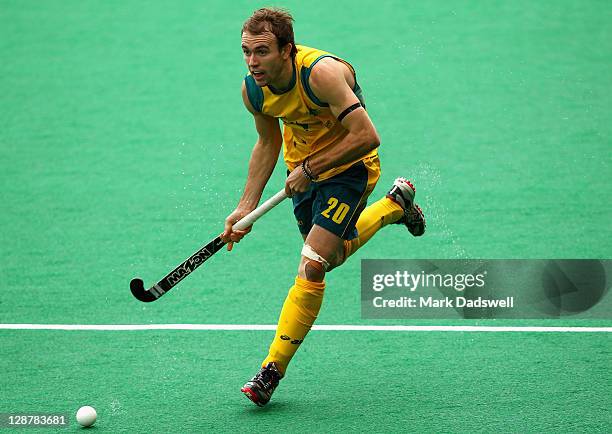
(254, 92)
(289, 87)
(305, 74)
(359, 94)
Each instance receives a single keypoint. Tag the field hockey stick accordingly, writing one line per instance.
(199, 257)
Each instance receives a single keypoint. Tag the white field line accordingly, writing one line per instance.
(391, 328)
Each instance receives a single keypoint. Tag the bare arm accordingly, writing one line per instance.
(263, 157)
(329, 80)
(329, 83)
(262, 162)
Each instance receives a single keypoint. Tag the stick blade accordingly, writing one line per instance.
(138, 291)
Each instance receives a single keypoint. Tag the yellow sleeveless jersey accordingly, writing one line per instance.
(309, 127)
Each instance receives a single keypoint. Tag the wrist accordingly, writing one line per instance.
(246, 206)
(307, 170)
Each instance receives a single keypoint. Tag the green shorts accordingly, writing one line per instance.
(336, 203)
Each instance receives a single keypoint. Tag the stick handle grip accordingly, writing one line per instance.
(252, 217)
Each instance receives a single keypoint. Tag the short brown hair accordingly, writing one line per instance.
(275, 20)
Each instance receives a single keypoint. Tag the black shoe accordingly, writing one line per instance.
(402, 193)
(260, 388)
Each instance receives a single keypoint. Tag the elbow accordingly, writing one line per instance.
(365, 139)
(373, 141)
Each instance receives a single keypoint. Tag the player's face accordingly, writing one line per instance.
(263, 57)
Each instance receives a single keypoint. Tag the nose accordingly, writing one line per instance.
(251, 60)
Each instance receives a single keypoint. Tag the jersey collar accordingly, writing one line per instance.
(289, 87)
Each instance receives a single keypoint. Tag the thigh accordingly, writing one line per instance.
(326, 244)
(339, 200)
(373, 167)
(302, 210)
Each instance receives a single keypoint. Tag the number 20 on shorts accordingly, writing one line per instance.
(340, 210)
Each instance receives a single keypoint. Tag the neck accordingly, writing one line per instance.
(285, 77)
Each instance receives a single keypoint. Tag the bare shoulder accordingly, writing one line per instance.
(330, 76)
(328, 69)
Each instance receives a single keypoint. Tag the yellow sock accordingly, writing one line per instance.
(297, 317)
(371, 220)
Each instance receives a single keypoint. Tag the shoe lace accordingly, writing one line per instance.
(267, 377)
(415, 213)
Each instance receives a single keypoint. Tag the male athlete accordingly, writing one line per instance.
(332, 160)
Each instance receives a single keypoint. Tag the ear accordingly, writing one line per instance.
(286, 50)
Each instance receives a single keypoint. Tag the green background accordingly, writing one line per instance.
(124, 144)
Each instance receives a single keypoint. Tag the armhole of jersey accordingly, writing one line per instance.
(359, 94)
(305, 73)
(254, 93)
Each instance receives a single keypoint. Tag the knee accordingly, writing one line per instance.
(311, 270)
(314, 266)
